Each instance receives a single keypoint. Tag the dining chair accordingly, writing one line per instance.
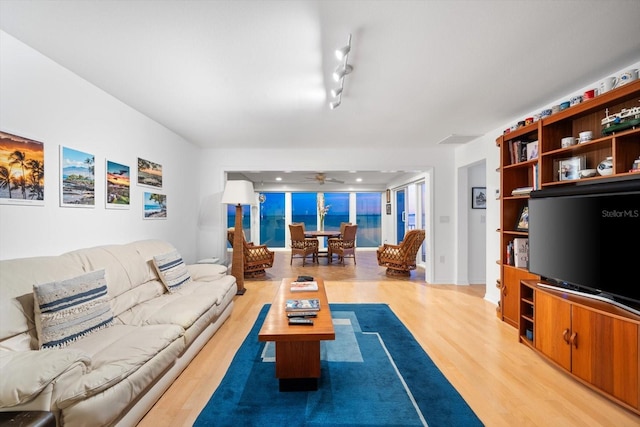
(344, 246)
(301, 246)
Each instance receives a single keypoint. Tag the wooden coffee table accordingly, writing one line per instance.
(297, 346)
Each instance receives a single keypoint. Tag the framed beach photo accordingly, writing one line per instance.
(21, 170)
(118, 185)
(523, 219)
(149, 173)
(478, 197)
(154, 206)
(77, 178)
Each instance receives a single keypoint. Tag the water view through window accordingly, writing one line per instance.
(272, 212)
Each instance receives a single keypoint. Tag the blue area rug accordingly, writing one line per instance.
(373, 374)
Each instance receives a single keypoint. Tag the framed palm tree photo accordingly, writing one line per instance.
(21, 170)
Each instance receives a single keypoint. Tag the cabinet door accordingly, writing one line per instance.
(511, 293)
(553, 328)
(605, 353)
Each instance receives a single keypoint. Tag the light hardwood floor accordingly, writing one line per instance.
(503, 381)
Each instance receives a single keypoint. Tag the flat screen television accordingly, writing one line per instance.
(586, 238)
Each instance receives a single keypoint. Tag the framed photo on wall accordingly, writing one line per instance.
(20, 158)
(77, 178)
(149, 173)
(478, 197)
(154, 206)
(118, 186)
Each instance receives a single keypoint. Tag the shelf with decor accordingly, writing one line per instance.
(560, 165)
(520, 174)
(518, 166)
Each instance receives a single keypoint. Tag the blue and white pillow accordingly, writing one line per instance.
(70, 309)
(172, 270)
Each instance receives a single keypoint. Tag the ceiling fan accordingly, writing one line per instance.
(322, 178)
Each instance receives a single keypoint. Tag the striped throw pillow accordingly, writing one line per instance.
(70, 309)
(172, 270)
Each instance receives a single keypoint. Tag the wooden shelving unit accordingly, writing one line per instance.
(594, 341)
(543, 172)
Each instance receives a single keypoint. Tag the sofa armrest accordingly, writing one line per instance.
(26, 373)
(206, 272)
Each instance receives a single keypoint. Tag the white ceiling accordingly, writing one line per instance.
(247, 74)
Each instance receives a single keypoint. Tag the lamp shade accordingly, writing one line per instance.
(238, 193)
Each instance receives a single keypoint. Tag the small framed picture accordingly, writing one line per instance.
(569, 169)
(388, 208)
(478, 197)
(523, 219)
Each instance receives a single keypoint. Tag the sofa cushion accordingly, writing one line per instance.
(21, 381)
(172, 270)
(120, 351)
(69, 309)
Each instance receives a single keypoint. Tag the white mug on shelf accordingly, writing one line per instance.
(585, 136)
(606, 85)
(626, 77)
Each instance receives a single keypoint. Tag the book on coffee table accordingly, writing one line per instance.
(304, 286)
(309, 304)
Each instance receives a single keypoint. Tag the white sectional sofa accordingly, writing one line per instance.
(144, 335)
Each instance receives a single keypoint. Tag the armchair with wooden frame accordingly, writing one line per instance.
(257, 258)
(400, 259)
(301, 246)
(345, 245)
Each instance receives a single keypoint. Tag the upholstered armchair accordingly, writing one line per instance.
(400, 259)
(344, 246)
(257, 258)
(301, 246)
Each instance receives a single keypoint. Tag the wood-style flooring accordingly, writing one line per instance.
(503, 381)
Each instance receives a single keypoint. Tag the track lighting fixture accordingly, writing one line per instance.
(342, 52)
(340, 72)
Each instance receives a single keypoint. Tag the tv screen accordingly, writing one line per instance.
(588, 238)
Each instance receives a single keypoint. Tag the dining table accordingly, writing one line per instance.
(325, 234)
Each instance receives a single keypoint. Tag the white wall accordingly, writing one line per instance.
(44, 101)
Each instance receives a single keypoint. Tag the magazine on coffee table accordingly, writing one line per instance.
(309, 304)
(304, 286)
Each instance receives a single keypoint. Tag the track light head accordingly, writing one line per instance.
(336, 91)
(341, 71)
(342, 52)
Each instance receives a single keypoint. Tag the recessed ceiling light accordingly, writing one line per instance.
(278, 178)
(358, 179)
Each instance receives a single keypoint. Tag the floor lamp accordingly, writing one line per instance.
(238, 193)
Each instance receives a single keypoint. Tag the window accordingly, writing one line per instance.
(338, 210)
(246, 219)
(272, 220)
(368, 218)
(304, 209)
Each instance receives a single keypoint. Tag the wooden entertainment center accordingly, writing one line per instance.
(595, 341)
